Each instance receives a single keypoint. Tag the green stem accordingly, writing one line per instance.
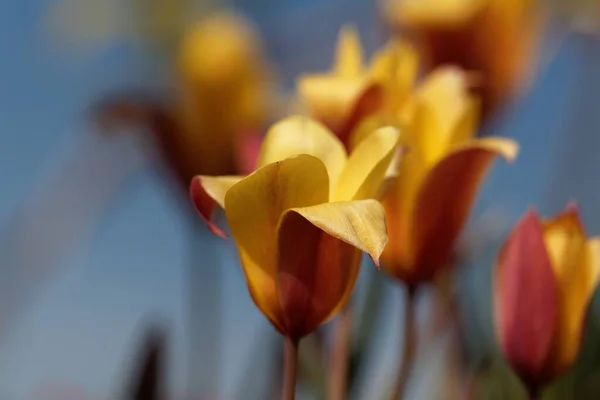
(338, 376)
(410, 345)
(290, 363)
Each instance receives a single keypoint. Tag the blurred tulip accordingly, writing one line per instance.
(301, 220)
(351, 91)
(546, 274)
(496, 38)
(222, 101)
(441, 171)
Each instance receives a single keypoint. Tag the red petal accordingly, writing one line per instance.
(526, 306)
(205, 206)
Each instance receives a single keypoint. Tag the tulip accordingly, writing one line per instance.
(496, 38)
(302, 218)
(352, 91)
(441, 171)
(546, 274)
(221, 103)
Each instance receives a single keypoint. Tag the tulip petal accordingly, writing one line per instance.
(330, 98)
(446, 196)
(526, 300)
(366, 105)
(349, 53)
(575, 266)
(434, 13)
(316, 274)
(358, 223)
(367, 166)
(395, 67)
(209, 191)
(254, 207)
(297, 135)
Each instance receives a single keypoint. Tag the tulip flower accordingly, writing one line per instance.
(352, 91)
(221, 103)
(496, 38)
(302, 218)
(441, 171)
(546, 274)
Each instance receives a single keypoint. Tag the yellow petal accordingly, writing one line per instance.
(207, 192)
(438, 13)
(576, 263)
(349, 53)
(396, 68)
(358, 223)
(330, 98)
(367, 166)
(301, 135)
(254, 207)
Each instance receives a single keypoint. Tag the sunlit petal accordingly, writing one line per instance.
(301, 135)
(349, 53)
(254, 207)
(367, 166)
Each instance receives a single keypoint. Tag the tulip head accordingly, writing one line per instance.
(496, 38)
(352, 91)
(224, 90)
(546, 274)
(441, 171)
(301, 220)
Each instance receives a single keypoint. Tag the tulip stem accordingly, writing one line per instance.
(410, 344)
(290, 363)
(339, 356)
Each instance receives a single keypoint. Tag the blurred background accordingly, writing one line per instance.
(99, 244)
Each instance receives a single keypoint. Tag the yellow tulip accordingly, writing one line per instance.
(439, 175)
(351, 91)
(302, 218)
(546, 274)
(496, 38)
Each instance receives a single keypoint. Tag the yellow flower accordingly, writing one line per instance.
(439, 176)
(351, 91)
(546, 274)
(301, 220)
(496, 38)
(224, 91)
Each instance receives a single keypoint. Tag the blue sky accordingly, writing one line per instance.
(81, 325)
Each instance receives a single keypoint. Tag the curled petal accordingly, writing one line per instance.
(367, 166)
(254, 207)
(207, 192)
(359, 223)
(297, 135)
(526, 301)
(445, 199)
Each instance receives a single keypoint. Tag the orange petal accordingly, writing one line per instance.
(526, 301)
(316, 274)
(445, 199)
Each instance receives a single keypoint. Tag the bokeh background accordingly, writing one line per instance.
(96, 246)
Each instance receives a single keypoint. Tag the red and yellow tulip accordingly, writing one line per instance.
(496, 38)
(438, 176)
(221, 104)
(352, 91)
(546, 274)
(301, 220)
